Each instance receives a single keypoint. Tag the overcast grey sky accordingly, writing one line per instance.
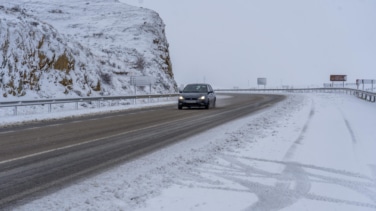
(290, 42)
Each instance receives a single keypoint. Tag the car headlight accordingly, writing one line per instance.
(202, 98)
(181, 98)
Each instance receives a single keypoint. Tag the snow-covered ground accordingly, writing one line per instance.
(309, 152)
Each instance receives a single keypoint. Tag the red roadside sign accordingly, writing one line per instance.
(338, 77)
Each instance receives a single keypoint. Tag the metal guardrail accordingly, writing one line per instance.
(365, 95)
(50, 102)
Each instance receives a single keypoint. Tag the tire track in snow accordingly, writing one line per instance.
(366, 188)
(349, 128)
(292, 185)
(352, 134)
(373, 170)
(291, 151)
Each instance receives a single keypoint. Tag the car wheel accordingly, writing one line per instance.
(207, 105)
(214, 103)
(180, 107)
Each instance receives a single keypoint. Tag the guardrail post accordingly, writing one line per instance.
(76, 105)
(49, 108)
(15, 111)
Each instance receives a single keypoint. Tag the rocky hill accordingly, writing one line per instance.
(54, 49)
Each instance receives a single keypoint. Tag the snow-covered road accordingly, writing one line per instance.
(309, 152)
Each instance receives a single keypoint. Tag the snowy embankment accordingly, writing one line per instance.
(309, 152)
(63, 49)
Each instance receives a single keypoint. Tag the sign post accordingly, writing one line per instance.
(342, 78)
(365, 81)
(142, 81)
(357, 83)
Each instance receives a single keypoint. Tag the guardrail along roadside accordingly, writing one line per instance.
(98, 100)
(365, 95)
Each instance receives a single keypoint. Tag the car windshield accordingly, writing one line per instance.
(196, 89)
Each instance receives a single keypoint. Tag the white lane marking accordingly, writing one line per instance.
(5, 132)
(76, 121)
(31, 128)
(83, 143)
(54, 125)
(51, 150)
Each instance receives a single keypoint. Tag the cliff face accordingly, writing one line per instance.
(80, 48)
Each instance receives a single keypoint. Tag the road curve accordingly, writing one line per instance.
(44, 156)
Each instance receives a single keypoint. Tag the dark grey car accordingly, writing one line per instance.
(197, 95)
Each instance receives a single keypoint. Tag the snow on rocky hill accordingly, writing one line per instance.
(51, 49)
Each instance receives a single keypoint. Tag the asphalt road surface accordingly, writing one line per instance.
(40, 157)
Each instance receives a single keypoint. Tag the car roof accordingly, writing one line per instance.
(198, 84)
